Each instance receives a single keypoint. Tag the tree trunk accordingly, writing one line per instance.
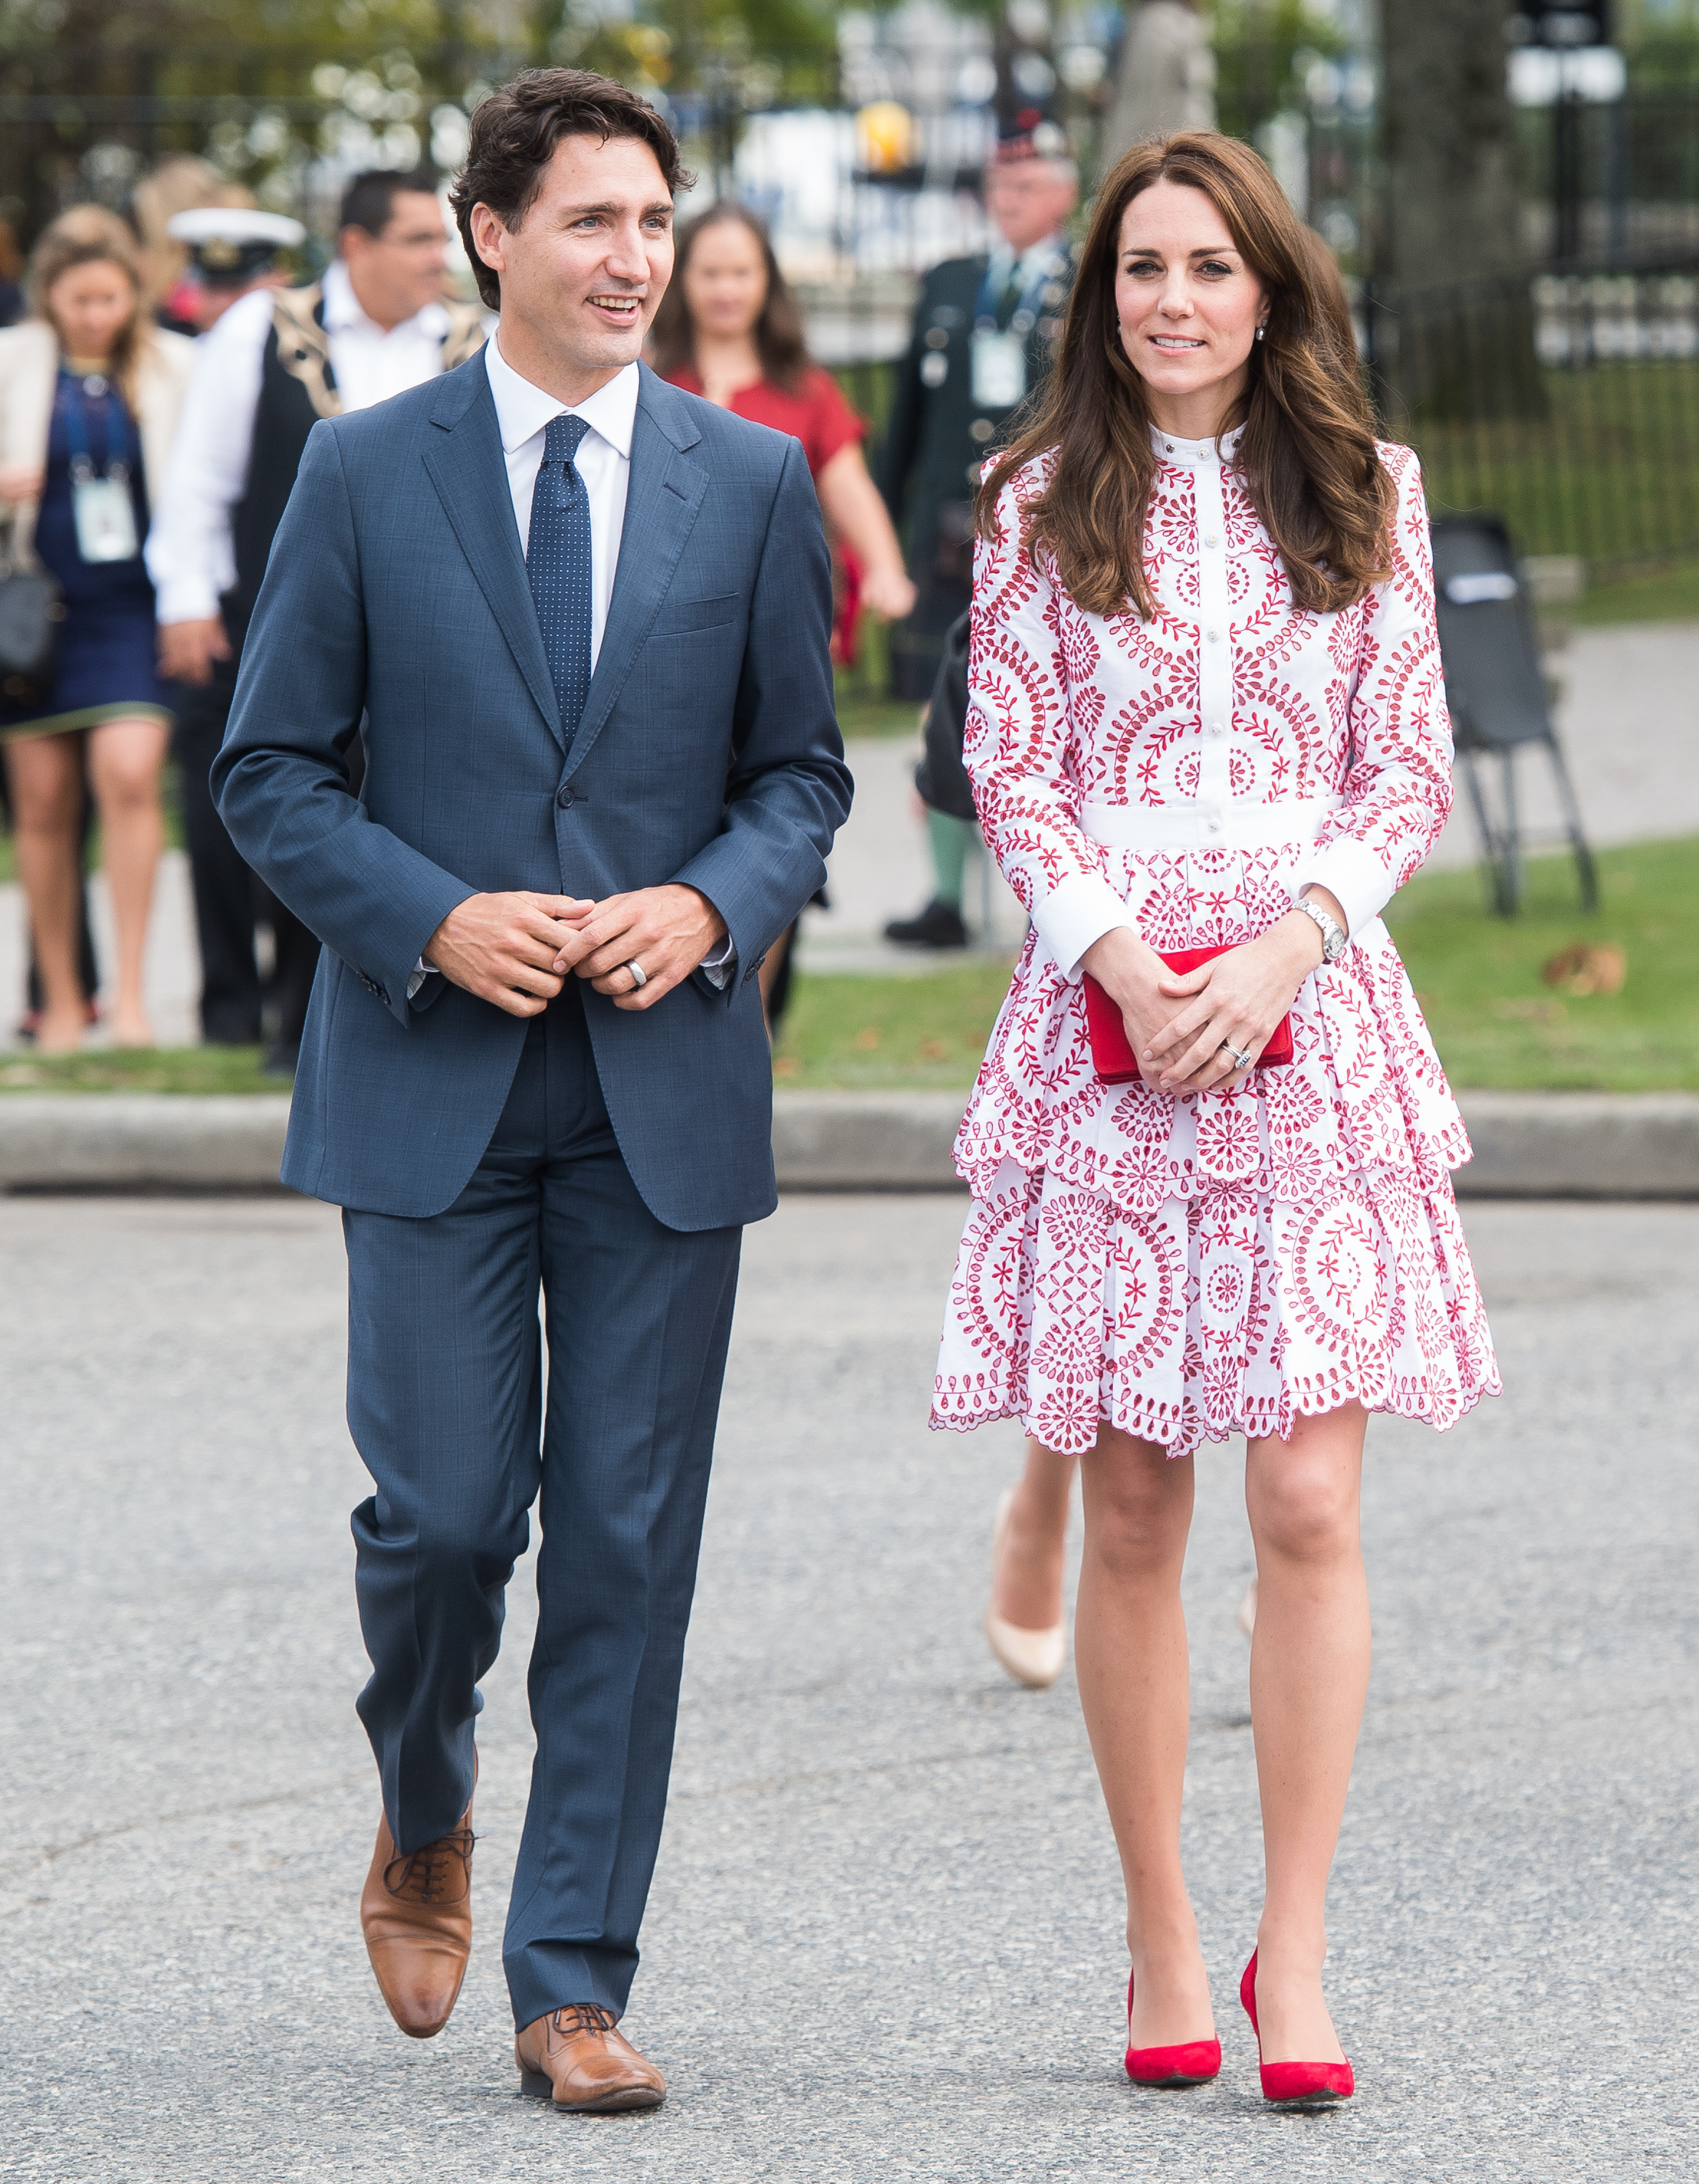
(1452, 208)
(1166, 79)
(1452, 220)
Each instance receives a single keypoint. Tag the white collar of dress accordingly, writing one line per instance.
(1196, 455)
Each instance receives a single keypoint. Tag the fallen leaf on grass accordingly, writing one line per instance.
(868, 1041)
(1584, 970)
(934, 1050)
(786, 1064)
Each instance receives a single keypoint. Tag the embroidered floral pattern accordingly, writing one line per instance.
(1191, 1268)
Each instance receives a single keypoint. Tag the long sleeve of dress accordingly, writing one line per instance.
(1016, 747)
(1398, 789)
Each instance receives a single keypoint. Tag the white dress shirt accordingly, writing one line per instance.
(604, 462)
(524, 413)
(189, 552)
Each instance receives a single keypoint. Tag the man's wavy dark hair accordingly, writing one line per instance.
(514, 132)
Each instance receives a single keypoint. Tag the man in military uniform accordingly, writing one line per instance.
(233, 249)
(271, 367)
(985, 333)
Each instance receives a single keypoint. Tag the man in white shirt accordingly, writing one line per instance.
(273, 365)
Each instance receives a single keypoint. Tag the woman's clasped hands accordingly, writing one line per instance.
(1230, 1006)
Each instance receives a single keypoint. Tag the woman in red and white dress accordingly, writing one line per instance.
(1206, 711)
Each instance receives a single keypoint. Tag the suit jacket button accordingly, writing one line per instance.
(563, 796)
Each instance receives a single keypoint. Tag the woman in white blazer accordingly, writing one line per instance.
(90, 390)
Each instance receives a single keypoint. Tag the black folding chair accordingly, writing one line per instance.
(1498, 699)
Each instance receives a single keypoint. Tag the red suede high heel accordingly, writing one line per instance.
(1193, 2063)
(1293, 2084)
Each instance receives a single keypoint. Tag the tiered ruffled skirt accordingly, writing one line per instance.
(1187, 1269)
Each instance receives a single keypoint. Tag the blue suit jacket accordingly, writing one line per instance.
(397, 599)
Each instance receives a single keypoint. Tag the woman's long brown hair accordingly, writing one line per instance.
(781, 342)
(1308, 455)
(89, 235)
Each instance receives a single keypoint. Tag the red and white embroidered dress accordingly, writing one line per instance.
(1185, 1269)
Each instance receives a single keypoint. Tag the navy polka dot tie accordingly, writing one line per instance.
(557, 559)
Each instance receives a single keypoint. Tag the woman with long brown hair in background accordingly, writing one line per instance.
(729, 329)
(90, 390)
(1206, 724)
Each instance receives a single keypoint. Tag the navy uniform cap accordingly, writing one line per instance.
(230, 245)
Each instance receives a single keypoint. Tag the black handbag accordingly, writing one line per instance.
(31, 611)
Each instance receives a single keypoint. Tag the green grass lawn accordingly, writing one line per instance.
(1494, 1020)
(1670, 593)
(164, 1069)
(913, 1032)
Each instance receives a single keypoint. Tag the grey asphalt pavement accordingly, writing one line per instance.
(884, 1936)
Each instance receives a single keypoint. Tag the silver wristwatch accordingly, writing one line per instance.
(1334, 939)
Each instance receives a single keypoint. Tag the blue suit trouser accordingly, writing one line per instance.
(445, 1402)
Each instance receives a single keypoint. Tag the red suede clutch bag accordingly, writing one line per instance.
(1111, 1052)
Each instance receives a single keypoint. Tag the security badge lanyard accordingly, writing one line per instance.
(999, 356)
(104, 512)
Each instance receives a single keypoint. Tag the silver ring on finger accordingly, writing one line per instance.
(639, 976)
(1240, 1061)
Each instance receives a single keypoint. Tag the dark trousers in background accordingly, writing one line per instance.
(918, 645)
(445, 1399)
(230, 901)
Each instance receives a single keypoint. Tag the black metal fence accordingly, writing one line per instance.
(1568, 403)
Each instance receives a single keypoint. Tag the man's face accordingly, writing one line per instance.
(401, 269)
(1029, 200)
(585, 268)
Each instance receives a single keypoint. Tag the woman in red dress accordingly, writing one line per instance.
(729, 329)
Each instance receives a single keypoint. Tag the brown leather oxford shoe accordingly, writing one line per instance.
(578, 2057)
(416, 1913)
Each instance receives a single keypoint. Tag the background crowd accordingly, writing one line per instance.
(876, 259)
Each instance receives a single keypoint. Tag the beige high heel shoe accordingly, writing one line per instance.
(1032, 1657)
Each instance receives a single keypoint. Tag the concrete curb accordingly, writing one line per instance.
(1528, 1144)
(142, 1140)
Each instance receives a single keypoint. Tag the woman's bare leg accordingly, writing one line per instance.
(1309, 1677)
(1026, 1584)
(44, 775)
(125, 761)
(1135, 1688)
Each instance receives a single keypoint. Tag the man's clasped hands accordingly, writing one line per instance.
(518, 950)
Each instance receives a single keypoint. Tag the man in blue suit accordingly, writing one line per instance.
(580, 621)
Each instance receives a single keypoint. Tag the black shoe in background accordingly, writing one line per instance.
(280, 1058)
(939, 926)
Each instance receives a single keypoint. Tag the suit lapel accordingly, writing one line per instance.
(663, 497)
(469, 471)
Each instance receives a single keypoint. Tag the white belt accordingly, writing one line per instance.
(1224, 823)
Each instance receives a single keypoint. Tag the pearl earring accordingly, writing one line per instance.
(1262, 332)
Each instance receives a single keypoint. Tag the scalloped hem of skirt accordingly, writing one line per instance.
(1433, 1159)
(1181, 1428)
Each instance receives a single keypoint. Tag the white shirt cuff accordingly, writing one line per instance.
(184, 599)
(1076, 913)
(1354, 875)
(421, 971)
(717, 968)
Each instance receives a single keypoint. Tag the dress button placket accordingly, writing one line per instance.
(1215, 661)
